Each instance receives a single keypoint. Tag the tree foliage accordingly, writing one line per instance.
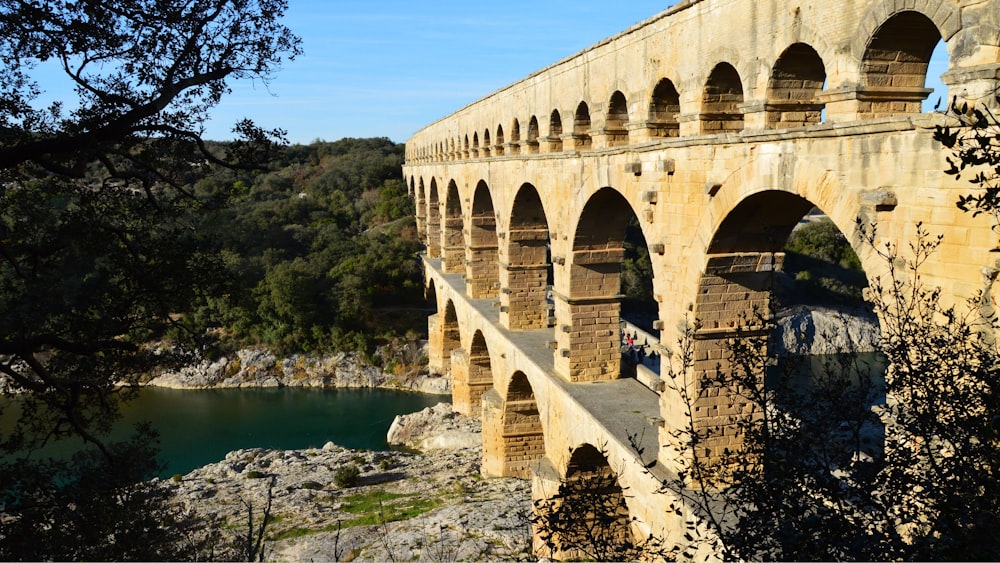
(99, 246)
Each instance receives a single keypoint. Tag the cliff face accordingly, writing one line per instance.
(253, 367)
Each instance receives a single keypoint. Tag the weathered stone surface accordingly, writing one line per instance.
(435, 429)
(469, 518)
(815, 331)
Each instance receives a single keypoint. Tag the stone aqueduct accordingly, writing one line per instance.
(717, 124)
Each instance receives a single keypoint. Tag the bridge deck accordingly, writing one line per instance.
(623, 407)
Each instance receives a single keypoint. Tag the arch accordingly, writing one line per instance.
(472, 376)
(555, 132)
(433, 222)
(475, 144)
(421, 211)
(514, 441)
(486, 142)
(482, 270)
(499, 146)
(721, 100)
(588, 519)
(734, 295)
(581, 127)
(532, 140)
(452, 240)
(664, 109)
(443, 337)
(894, 65)
(794, 88)
(589, 350)
(616, 124)
(526, 273)
(515, 137)
(465, 147)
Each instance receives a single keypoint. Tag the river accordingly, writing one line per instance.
(198, 427)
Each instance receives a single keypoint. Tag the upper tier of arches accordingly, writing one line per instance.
(876, 67)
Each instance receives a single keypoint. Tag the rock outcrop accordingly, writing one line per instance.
(435, 429)
(403, 506)
(814, 331)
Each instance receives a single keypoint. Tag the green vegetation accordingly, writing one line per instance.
(321, 250)
(378, 506)
(820, 268)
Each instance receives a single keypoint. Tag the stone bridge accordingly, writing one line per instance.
(717, 125)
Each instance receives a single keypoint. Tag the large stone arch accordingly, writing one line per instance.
(589, 510)
(513, 439)
(472, 375)
(526, 264)
(794, 88)
(443, 336)
(452, 239)
(433, 221)
(587, 338)
(482, 269)
(421, 210)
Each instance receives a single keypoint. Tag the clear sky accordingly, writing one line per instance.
(386, 68)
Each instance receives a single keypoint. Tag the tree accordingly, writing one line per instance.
(98, 250)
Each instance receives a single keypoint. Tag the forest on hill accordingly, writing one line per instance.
(319, 251)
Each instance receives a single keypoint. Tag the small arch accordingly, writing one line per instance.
(499, 148)
(533, 135)
(721, 101)
(555, 132)
(486, 143)
(524, 442)
(616, 124)
(451, 334)
(894, 65)
(465, 147)
(515, 137)
(581, 126)
(475, 144)
(664, 109)
(794, 88)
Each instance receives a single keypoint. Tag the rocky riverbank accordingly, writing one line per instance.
(252, 367)
(430, 505)
(804, 331)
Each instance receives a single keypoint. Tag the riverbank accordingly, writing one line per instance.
(431, 505)
(258, 368)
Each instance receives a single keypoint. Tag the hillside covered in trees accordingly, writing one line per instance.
(320, 251)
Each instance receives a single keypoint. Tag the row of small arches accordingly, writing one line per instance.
(893, 73)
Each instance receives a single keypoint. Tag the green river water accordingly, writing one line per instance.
(198, 427)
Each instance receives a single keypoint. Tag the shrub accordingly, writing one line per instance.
(346, 475)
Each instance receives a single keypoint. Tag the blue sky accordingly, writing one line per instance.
(389, 67)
